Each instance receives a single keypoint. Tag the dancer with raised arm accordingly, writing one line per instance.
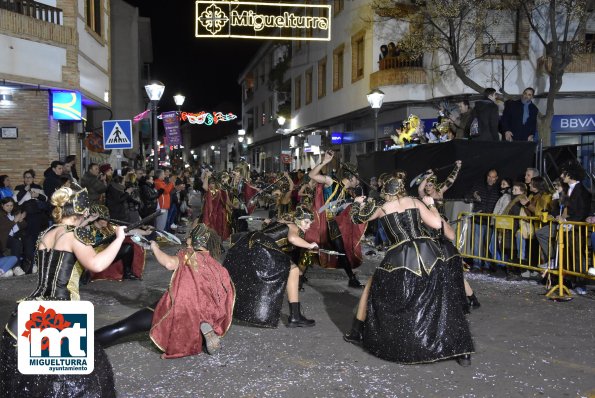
(58, 250)
(410, 310)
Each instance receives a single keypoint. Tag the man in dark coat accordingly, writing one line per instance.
(486, 113)
(52, 178)
(519, 120)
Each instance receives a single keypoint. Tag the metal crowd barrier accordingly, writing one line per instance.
(513, 241)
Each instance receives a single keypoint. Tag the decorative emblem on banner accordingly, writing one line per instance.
(207, 118)
(259, 20)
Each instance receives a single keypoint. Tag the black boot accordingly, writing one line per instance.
(296, 319)
(473, 301)
(303, 280)
(355, 334)
(354, 282)
(464, 360)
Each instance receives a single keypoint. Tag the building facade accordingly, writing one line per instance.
(52, 45)
(330, 80)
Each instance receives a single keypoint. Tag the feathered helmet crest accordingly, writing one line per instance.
(199, 236)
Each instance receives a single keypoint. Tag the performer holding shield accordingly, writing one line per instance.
(335, 227)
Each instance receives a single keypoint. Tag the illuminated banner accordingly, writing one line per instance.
(253, 20)
(207, 118)
(171, 124)
(66, 105)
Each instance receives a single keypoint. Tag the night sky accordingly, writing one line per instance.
(204, 70)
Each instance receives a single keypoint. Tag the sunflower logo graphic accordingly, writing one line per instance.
(213, 19)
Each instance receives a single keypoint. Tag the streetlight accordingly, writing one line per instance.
(179, 100)
(281, 122)
(375, 98)
(155, 90)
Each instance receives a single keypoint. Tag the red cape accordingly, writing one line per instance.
(249, 193)
(200, 291)
(115, 272)
(350, 232)
(214, 213)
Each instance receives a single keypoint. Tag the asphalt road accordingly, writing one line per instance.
(526, 346)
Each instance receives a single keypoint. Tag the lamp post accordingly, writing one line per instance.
(375, 98)
(281, 122)
(155, 90)
(179, 100)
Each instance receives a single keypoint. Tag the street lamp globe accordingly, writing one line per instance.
(155, 90)
(179, 99)
(281, 120)
(240, 138)
(375, 98)
(212, 147)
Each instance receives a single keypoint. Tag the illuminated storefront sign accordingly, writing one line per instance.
(207, 118)
(254, 20)
(66, 105)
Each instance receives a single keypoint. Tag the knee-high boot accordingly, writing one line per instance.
(140, 321)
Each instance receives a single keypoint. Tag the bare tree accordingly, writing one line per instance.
(458, 29)
(559, 26)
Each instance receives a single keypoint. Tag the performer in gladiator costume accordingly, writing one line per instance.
(196, 308)
(130, 261)
(335, 228)
(216, 207)
(282, 194)
(410, 311)
(63, 252)
(430, 187)
(261, 268)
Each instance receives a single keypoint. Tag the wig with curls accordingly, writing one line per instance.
(68, 202)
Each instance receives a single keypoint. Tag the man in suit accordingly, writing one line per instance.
(519, 120)
(577, 207)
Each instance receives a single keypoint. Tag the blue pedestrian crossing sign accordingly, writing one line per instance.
(117, 134)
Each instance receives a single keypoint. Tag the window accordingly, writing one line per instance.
(297, 92)
(338, 61)
(255, 117)
(94, 15)
(502, 31)
(322, 78)
(338, 6)
(357, 56)
(271, 112)
(308, 86)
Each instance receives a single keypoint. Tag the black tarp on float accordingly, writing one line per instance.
(511, 159)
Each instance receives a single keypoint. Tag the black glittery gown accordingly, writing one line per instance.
(414, 311)
(259, 266)
(58, 280)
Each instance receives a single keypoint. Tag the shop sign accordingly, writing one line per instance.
(67, 105)
(573, 123)
(336, 138)
(259, 20)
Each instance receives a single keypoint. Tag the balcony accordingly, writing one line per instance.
(394, 71)
(583, 62)
(33, 9)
